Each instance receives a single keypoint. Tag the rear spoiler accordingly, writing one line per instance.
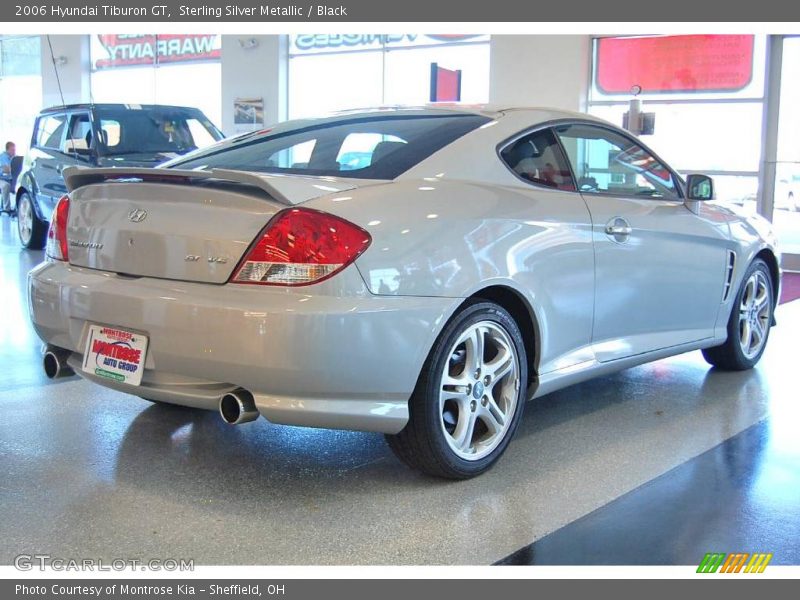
(286, 189)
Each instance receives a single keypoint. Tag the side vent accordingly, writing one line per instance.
(731, 264)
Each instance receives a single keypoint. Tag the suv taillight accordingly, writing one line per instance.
(300, 246)
(57, 245)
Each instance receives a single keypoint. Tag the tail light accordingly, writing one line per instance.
(300, 246)
(57, 245)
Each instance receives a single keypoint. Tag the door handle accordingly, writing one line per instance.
(619, 229)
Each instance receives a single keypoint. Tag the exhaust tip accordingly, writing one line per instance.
(50, 365)
(55, 364)
(238, 407)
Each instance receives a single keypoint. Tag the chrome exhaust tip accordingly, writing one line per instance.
(55, 363)
(238, 407)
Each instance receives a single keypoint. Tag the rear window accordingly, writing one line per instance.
(373, 147)
(159, 130)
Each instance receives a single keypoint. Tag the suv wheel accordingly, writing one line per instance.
(32, 230)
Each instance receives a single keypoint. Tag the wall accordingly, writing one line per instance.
(74, 73)
(541, 70)
(256, 72)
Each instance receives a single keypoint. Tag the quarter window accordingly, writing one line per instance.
(50, 131)
(607, 162)
(538, 158)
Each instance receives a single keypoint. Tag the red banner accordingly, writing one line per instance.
(132, 50)
(678, 63)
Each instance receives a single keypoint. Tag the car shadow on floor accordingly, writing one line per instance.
(165, 444)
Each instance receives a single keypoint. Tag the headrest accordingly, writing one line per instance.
(383, 149)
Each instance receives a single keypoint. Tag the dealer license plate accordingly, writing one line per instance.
(115, 354)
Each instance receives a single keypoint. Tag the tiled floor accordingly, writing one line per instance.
(89, 472)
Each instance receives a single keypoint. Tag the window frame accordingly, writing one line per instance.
(680, 184)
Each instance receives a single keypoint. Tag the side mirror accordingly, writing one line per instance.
(699, 187)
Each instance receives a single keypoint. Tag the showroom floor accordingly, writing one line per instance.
(656, 465)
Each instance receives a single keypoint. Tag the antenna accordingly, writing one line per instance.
(60, 91)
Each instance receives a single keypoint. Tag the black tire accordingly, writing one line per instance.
(730, 356)
(422, 444)
(37, 236)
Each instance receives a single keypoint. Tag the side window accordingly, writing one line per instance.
(50, 130)
(607, 162)
(538, 158)
(79, 138)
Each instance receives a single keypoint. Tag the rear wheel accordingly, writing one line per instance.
(32, 230)
(469, 398)
(749, 323)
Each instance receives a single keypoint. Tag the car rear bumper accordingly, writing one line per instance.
(330, 355)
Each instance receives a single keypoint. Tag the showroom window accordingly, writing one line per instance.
(707, 93)
(20, 88)
(330, 72)
(159, 69)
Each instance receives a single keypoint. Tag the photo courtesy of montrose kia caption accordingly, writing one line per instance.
(418, 272)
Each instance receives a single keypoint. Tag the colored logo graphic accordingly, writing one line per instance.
(714, 562)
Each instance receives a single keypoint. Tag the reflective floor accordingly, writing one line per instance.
(741, 496)
(89, 472)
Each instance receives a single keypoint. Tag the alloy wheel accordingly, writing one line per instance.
(754, 314)
(478, 391)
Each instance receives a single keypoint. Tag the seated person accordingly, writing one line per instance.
(6, 176)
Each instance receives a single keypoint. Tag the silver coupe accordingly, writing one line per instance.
(419, 272)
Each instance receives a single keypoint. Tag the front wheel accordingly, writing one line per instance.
(469, 398)
(32, 230)
(749, 323)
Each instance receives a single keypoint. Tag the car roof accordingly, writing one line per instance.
(95, 105)
(490, 110)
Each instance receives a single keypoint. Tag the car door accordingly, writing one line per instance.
(556, 262)
(659, 266)
(47, 159)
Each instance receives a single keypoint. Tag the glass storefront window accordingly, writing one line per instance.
(20, 89)
(700, 137)
(149, 69)
(338, 72)
(786, 213)
(407, 73)
(707, 94)
(321, 84)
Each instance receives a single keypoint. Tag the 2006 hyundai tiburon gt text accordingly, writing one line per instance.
(416, 272)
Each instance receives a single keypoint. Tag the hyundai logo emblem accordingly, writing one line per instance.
(137, 215)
